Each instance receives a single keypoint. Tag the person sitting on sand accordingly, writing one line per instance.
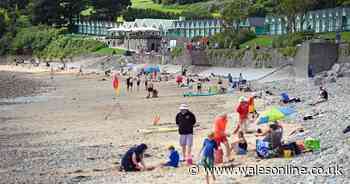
(220, 136)
(242, 110)
(323, 96)
(240, 146)
(155, 93)
(286, 99)
(185, 120)
(149, 89)
(133, 159)
(274, 137)
(207, 152)
(174, 158)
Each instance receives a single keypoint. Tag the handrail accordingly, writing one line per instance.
(271, 73)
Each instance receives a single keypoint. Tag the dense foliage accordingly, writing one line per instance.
(289, 40)
(109, 9)
(230, 39)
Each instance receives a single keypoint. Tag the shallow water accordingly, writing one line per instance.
(23, 100)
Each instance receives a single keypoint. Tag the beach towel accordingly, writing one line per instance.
(190, 94)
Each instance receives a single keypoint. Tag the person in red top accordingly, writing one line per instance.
(220, 136)
(179, 80)
(243, 111)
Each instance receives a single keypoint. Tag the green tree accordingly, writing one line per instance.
(109, 9)
(13, 4)
(291, 9)
(234, 12)
(71, 9)
(2, 23)
(46, 12)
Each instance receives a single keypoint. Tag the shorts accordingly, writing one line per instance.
(186, 140)
(220, 139)
(207, 162)
(243, 127)
(149, 89)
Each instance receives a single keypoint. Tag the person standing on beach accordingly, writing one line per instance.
(128, 83)
(186, 120)
(138, 82)
(146, 82)
(242, 110)
(220, 136)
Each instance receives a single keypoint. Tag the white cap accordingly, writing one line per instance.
(183, 107)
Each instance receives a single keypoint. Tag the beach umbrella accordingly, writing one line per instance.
(275, 114)
(151, 69)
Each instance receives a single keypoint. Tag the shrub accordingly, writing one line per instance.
(176, 52)
(288, 51)
(231, 39)
(66, 47)
(289, 40)
(34, 39)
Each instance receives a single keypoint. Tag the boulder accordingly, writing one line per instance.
(336, 68)
(331, 79)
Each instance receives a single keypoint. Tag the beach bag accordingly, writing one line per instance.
(218, 156)
(262, 148)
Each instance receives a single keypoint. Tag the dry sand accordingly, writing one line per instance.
(65, 137)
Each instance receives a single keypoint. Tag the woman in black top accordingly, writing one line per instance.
(133, 159)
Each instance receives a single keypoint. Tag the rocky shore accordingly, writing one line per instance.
(328, 126)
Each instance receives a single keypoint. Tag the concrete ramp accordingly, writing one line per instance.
(319, 55)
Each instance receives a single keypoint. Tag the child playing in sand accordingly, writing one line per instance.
(240, 145)
(174, 158)
(207, 151)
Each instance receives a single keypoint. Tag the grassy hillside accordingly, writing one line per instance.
(263, 41)
(149, 4)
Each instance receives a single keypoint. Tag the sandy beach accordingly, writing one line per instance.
(76, 131)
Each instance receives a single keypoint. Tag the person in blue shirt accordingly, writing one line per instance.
(207, 150)
(174, 157)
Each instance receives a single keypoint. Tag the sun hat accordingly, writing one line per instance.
(242, 99)
(183, 107)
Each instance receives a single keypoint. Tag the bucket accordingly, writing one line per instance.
(312, 144)
(287, 153)
(189, 160)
